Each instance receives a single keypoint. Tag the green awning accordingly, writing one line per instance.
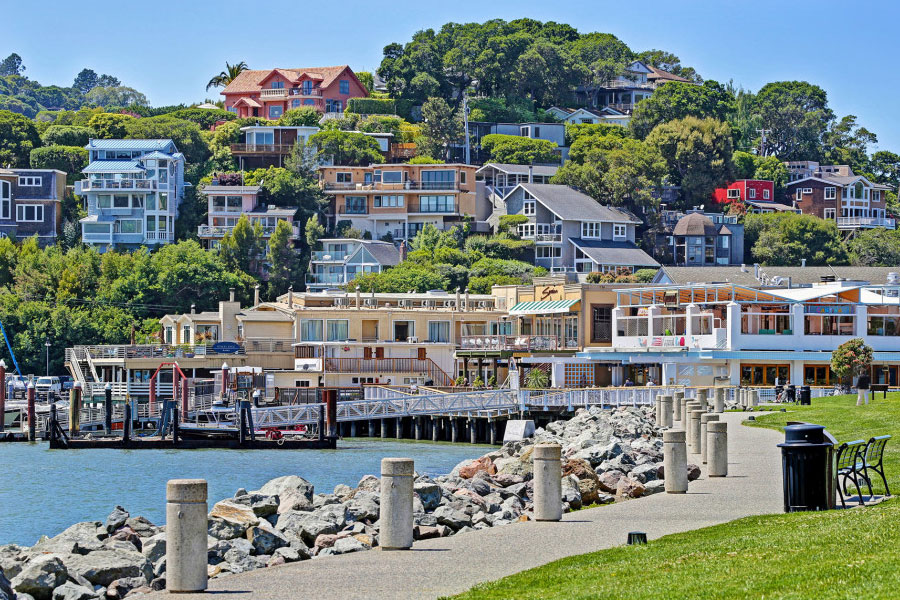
(543, 307)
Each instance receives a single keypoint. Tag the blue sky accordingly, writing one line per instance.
(170, 50)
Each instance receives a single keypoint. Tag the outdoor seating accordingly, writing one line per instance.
(854, 461)
(873, 460)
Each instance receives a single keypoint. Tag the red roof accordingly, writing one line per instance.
(251, 81)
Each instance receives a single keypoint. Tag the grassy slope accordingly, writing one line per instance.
(838, 554)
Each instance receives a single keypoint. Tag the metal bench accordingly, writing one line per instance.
(873, 460)
(850, 468)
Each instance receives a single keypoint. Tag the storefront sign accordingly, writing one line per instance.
(828, 309)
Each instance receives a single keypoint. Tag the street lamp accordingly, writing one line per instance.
(47, 345)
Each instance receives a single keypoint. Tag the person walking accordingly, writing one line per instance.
(863, 383)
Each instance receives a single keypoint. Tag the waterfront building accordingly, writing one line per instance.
(269, 145)
(31, 204)
(269, 93)
(342, 259)
(132, 193)
(395, 201)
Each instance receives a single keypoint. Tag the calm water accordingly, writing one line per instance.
(44, 491)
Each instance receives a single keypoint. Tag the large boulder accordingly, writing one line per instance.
(452, 517)
(693, 472)
(6, 591)
(629, 488)
(116, 519)
(334, 513)
(348, 544)
(265, 541)
(590, 491)
(517, 465)
(239, 514)
(429, 493)
(105, 566)
(304, 526)
(283, 486)
(72, 591)
(571, 494)
(364, 506)
(79, 538)
(142, 527)
(645, 473)
(609, 480)
(369, 483)
(120, 588)
(225, 530)
(261, 504)
(483, 464)
(40, 576)
(580, 468)
(154, 548)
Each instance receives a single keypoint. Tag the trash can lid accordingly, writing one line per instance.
(804, 433)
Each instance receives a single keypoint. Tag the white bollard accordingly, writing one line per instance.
(547, 482)
(717, 448)
(675, 461)
(665, 410)
(720, 400)
(186, 525)
(704, 419)
(694, 430)
(754, 398)
(678, 404)
(396, 511)
(702, 395)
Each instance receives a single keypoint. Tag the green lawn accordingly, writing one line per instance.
(838, 554)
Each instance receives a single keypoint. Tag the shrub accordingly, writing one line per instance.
(510, 223)
(371, 106)
(645, 275)
(204, 117)
(68, 159)
(66, 135)
(425, 160)
(518, 150)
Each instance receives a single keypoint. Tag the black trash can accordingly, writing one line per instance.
(806, 459)
(791, 395)
(805, 395)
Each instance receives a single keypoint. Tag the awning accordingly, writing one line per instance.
(543, 307)
(114, 166)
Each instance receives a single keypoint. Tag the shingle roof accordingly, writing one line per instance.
(606, 252)
(148, 145)
(660, 74)
(113, 166)
(798, 275)
(571, 205)
(695, 224)
(540, 170)
(385, 253)
(249, 81)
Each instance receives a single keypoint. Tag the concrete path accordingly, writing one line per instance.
(446, 566)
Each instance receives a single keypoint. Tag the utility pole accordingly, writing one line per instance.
(466, 125)
(762, 140)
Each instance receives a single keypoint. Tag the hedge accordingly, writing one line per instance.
(371, 106)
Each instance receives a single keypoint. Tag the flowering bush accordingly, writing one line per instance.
(851, 358)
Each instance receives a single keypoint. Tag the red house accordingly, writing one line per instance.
(269, 93)
(743, 190)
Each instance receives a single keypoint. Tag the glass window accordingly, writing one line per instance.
(5, 200)
(277, 85)
(590, 230)
(619, 230)
(392, 177)
(163, 201)
(104, 201)
(96, 228)
(310, 330)
(343, 177)
(338, 330)
(307, 87)
(129, 226)
(528, 208)
(309, 102)
(355, 205)
(275, 112)
(436, 204)
(163, 223)
(345, 86)
(444, 179)
(295, 103)
(439, 331)
(151, 224)
(120, 201)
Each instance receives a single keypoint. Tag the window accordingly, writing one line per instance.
(590, 230)
(526, 230)
(30, 181)
(333, 105)
(163, 201)
(462, 177)
(390, 176)
(310, 330)
(120, 201)
(338, 330)
(277, 85)
(295, 103)
(151, 224)
(29, 213)
(548, 251)
(751, 193)
(275, 112)
(345, 86)
(170, 333)
(438, 180)
(439, 331)
(830, 193)
(807, 190)
(5, 200)
(619, 230)
(734, 194)
(799, 194)
(309, 102)
(127, 226)
(829, 213)
(404, 330)
(307, 87)
(876, 195)
(355, 205)
(724, 239)
(529, 207)
(95, 228)
(429, 204)
(389, 201)
(601, 323)
(765, 194)
(344, 177)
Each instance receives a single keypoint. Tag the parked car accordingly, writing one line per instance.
(47, 386)
(67, 382)
(18, 385)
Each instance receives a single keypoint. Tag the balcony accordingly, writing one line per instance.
(327, 256)
(325, 279)
(411, 186)
(864, 223)
(219, 231)
(262, 148)
(413, 366)
(353, 209)
(518, 343)
(292, 92)
(86, 185)
(159, 236)
(619, 84)
(432, 208)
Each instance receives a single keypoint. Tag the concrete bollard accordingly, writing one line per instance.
(678, 404)
(704, 419)
(675, 461)
(693, 430)
(754, 398)
(665, 411)
(717, 448)
(396, 511)
(547, 482)
(719, 405)
(186, 510)
(702, 396)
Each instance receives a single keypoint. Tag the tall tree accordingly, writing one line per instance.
(442, 126)
(797, 115)
(18, 136)
(875, 248)
(346, 147)
(677, 100)
(846, 143)
(242, 247)
(228, 75)
(12, 65)
(785, 239)
(283, 260)
(313, 231)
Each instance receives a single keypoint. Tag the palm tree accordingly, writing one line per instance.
(228, 75)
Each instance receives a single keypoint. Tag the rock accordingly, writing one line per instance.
(471, 496)
(429, 493)
(425, 532)
(342, 491)
(506, 479)
(73, 591)
(580, 468)
(369, 483)
(116, 519)
(629, 488)
(265, 541)
(12, 559)
(158, 584)
(516, 465)
(326, 540)
(609, 481)
(452, 517)
(274, 561)
(40, 576)
(120, 588)
(590, 491)
(119, 545)
(364, 506)
(654, 487)
(334, 513)
(347, 545)
(6, 591)
(478, 484)
(225, 530)
(624, 462)
(260, 504)
(571, 494)
(289, 554)
(79, 538)
(296, 501)
(126, 534)
(142, 527)
(304, 526)
(483, 464)
(154, 547)
(645, 473)
(238, 514)
(693, 472)
(283, 486)
(105, 566)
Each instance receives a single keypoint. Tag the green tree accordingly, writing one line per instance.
(115, 96)
(846, 143)
(242, 247)
(784, 239)
(885, 167)
(228, 75)
(677, 100)
(203, 117)
(667, 61)
(798, 116)
(12, 65)
(109, 126)
(575, 131)
(66, 135)
(366, 78)
(442, 126)
(346, 147)
(297, 117)
(68, 159)
(314, 231)
(283, 261)
(546, 73)
(85, 81)
(18, 137)
(771, 168)
(698, 154)
(185, 134)
(875, 248)
(853, 357)
(519, 150)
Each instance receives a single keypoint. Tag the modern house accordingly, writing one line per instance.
(397, 200)
(624, 91)
(575, 233)
(227, 203)
(500, 178)
(745, 190)
(834, 192)
(270, 93)
(590, 116)
(552, 132)
(342, 259)
(31, 204)
(132, 192)
(269, 145)
(703, 239)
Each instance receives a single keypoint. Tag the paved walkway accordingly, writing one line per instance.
(446, 566)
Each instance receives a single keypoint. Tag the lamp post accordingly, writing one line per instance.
(47, 346)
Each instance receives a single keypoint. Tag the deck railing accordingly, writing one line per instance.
(413, 366)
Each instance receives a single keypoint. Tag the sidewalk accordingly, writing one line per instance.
(446, 566)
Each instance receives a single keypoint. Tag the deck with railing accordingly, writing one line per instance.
(423, 366)
(518, 343)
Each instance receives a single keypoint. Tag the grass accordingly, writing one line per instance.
(836, 554)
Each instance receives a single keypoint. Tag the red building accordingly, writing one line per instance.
(743, 190)
(269, 93)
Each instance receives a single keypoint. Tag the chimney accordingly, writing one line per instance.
(193, 309)
(756, 270)
(291, 297)
(357, 296)
(467, 298)
(530, 173)
(802, 262)
(231, 294)
(457, 299)
(256, 295)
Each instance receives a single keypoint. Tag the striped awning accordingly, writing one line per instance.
(543, 307)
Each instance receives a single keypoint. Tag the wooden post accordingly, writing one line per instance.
(75, 409)
(331, 412)
(151, 405)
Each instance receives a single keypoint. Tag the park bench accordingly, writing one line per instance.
(854, 461)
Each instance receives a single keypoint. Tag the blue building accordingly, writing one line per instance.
(133, 190)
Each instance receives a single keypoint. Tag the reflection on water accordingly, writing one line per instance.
(44, 491)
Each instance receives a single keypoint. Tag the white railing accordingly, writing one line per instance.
(119, 184)
(160, 236)
(849, 222)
